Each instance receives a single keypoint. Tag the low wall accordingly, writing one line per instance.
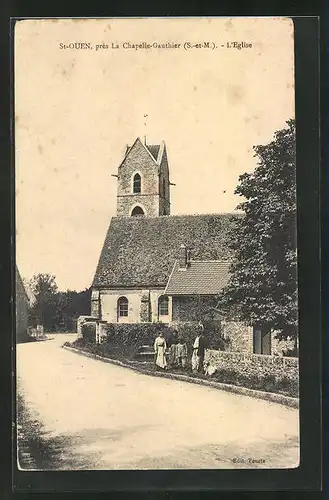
(261, 362)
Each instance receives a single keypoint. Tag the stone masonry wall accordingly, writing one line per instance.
(138, 310)
(261, 362)
(138, 160)
(149, 204)
(184, 309)
(238, 335)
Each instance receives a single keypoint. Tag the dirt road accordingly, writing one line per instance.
(81, 413)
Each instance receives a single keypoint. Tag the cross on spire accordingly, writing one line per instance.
(145, 117)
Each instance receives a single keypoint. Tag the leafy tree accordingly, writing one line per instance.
(44, 289)
(263, 289)
(54, 309)
(70, 305)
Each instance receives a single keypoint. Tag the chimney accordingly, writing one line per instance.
(145, 140)
(182, 261)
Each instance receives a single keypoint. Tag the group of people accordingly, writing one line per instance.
(174, 352)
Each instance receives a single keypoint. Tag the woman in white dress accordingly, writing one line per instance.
(160, 347)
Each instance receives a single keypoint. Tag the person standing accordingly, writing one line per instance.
(199, 348)
(160, 347)
(173, 349)
(181, 353)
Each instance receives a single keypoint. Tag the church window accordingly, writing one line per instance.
(137, 184)
(122, 307)
(163, 304)
(137, 211)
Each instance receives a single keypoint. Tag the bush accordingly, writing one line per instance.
(123, 340)
(79, 342)
(88, 331)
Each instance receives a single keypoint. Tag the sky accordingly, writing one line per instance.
(76, 110)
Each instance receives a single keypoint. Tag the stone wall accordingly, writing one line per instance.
(164, 186)
(138, 160)
(279, 347)
(149, 203)
(139, 309)
(261, 362)
(184, 309)
(95, 304)
(239, 336)
(187, 309)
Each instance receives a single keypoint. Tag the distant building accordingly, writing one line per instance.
(22, 309)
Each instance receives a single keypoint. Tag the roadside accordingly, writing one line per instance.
(195, 378)
(79, 413)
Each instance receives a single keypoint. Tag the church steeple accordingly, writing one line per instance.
(143, 181)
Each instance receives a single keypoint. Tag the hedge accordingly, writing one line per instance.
(125, 339)
(88, 331)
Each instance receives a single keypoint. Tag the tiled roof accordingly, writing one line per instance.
(141, 251)
(154, 150)
(199, 278)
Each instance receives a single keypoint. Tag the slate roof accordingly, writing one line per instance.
(141, 251)
(154, 150)
(199, 278)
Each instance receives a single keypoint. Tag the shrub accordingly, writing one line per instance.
(79, 342)
(124, 340)
(88, 331)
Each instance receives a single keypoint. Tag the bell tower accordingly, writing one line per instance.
(143, 187)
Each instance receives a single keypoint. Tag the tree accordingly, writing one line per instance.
(44, 289)
(263, 286)
(69, 306)
(54, 309)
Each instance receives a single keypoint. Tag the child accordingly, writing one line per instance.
(181, 353)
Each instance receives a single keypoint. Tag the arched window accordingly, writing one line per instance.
(122, 307)
(163, 303)
(137, 184)
(137, 211)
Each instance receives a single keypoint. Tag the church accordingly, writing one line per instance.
(154, 266)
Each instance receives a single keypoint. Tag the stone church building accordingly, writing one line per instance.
(156, 267)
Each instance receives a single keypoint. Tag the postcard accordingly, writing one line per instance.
(156, 253)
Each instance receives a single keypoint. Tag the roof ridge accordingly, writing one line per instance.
(146, 149)
(170, 276)
(171, 216)
(162, 147)
(213, 260)
(144, 146)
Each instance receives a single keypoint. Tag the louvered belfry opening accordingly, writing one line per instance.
(137, 211)
(137, 184)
